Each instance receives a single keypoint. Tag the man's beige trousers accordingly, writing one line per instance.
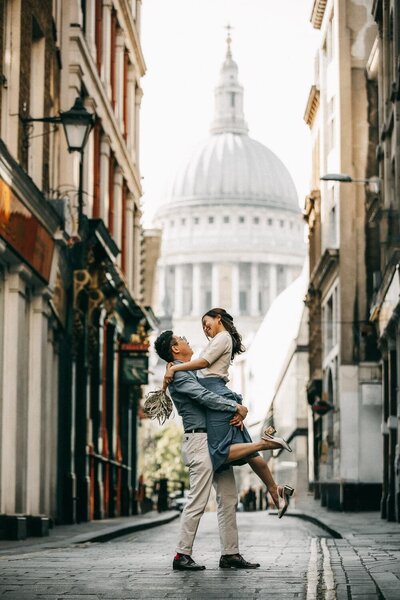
(196, 457)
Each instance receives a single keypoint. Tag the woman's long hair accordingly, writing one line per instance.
(227, 322)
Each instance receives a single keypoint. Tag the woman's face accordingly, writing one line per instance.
(211, 325)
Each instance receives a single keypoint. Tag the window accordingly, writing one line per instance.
(226, 219)
(211, 219)
(83, 9)
(99, 33)
(329, 40)
(171, 223)
(330, 125)
(183, 221)
(269, 221)
(232, 99)
(329, 322)
(196, 220)
(282, 223)
(241, 219)
(333, 228)
(256, 220)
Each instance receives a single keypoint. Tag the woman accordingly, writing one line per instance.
(229, 444)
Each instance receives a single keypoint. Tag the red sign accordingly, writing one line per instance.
(25, 234)
(129, 347)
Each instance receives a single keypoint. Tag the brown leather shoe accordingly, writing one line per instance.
(186, 563)
(235, 561)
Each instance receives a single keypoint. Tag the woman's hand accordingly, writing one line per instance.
(169, 373)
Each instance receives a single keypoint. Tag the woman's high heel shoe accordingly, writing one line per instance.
(268, 436)
(284, 492)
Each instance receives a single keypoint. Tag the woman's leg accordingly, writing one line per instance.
(261, 469)
(237, 451)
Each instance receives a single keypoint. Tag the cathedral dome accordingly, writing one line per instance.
(230, 167)
(233, 167)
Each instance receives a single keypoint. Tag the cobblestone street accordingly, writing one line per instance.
(297, 561)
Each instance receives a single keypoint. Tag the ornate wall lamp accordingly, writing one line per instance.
(77, 123)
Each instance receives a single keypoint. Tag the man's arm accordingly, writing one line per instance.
(187, 384)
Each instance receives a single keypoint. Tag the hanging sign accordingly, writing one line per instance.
(135, 367)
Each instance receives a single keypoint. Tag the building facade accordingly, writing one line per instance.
(344, 387)
(383, 248)
(231, 227)
(73, 332)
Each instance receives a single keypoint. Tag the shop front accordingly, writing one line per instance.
(109, 365)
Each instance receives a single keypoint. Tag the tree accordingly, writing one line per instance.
(162, 456)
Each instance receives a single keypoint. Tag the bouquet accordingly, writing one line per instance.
(158, 405)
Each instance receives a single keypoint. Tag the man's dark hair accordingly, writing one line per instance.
(163, 345)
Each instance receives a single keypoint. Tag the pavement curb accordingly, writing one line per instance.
(121, 530)
(306, 517)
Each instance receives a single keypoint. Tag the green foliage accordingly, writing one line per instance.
(162, 456)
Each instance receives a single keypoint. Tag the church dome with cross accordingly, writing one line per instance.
(232, 233)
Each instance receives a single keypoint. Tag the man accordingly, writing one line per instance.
(191, 399)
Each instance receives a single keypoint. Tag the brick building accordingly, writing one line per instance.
(73, 332)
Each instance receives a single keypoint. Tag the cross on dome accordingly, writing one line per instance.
(228, 28)
(228, 113)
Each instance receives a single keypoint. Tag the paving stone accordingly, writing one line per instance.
(138, 566)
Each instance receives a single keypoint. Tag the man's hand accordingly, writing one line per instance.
(169, 374)
(242, 411)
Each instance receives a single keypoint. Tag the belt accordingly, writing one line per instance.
(198, 430)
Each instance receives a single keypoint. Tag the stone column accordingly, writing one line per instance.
(131, 108)
(235, 289)
(117, 225)
(90, 28)
(138, 100)
(119, 72)
(178, 300)
(162, 289)
(196, 290)
(288, 276)
(129, 240)
(106, 58)
(137, 256)
(36, 402)
(254, 290)
(14, 385)
(273, 283)
(104, 177)
(215, 285)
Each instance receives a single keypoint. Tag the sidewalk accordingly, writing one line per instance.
(93, 531)
(366, 558)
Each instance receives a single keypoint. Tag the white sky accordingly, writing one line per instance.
(184, 46)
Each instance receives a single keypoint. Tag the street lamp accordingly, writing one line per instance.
(77, 123)
(372, 182)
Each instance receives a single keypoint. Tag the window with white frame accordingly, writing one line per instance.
(330, 322)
